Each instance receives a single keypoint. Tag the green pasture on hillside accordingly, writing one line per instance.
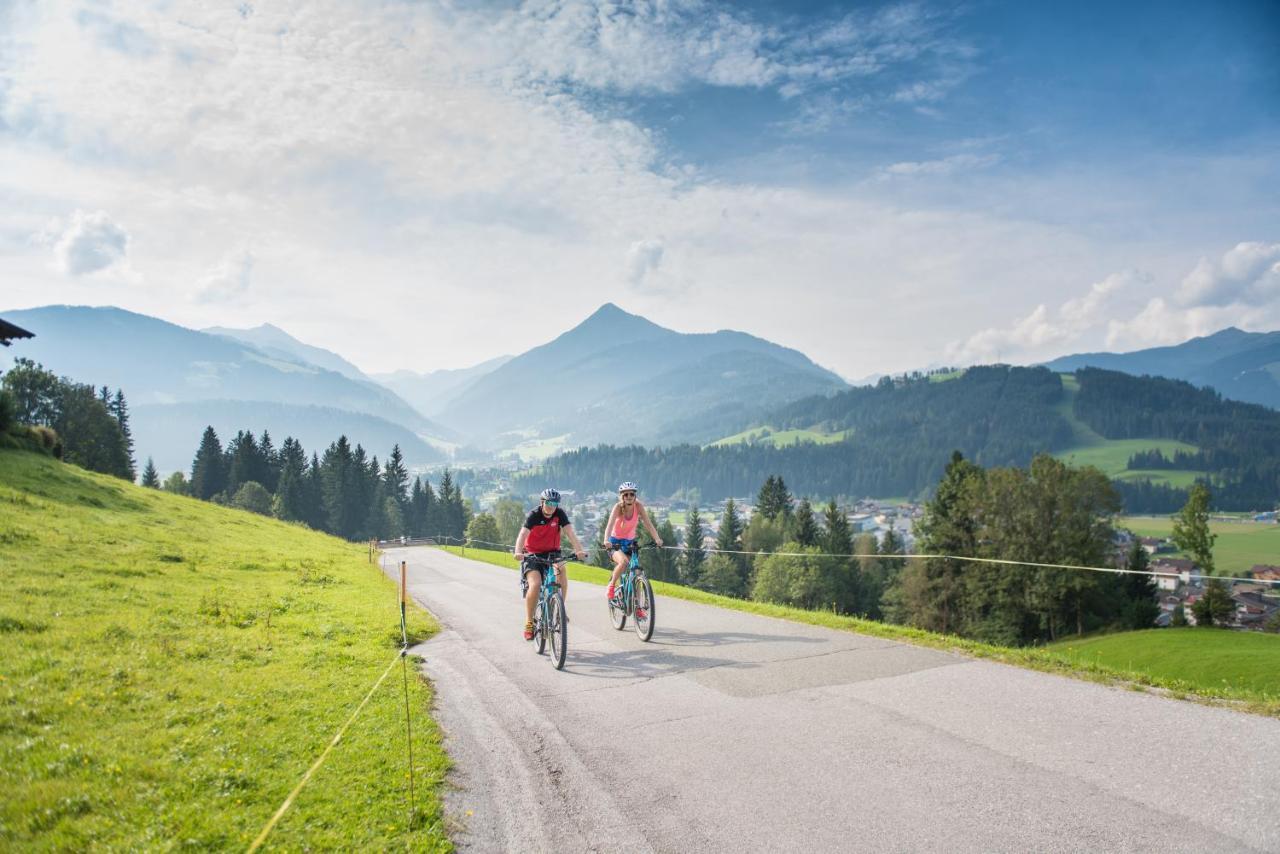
(1090, 448)
(1240, 545)
(170, 669)
(1252, 676)
(781, 438)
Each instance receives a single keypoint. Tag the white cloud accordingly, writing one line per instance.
(1033, 336)
(945, 166)
(1242, 288)
(643, 260)
(226, 280)
(1248, 274)
(91, 242)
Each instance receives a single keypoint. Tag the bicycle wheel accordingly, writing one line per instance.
(642, 613)
(540, 628)
(618, 612)
(559, 631)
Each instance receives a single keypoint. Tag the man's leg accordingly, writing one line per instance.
(531, 597)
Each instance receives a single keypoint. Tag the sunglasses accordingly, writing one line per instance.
(628, 495)
(552, 503)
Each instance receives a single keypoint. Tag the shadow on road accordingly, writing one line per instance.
(629, 664)
(679, 637)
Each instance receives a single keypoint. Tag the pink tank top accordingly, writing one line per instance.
(624, 528)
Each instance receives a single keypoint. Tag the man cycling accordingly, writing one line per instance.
(621, 529)
(540, 537)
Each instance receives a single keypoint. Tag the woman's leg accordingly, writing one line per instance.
(619, 564)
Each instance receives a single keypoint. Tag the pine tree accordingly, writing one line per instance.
(150, 477)
(929, 591)
(806, 527)
(1215, 606)
(693, 556)
(1141, 609)
(207, 475)
(120, 409)
(342, 484)
(729, 539)
(270, 463)
(774, 501)
(1191, 528)
(313, 495)
(396, 476)
(290, 503)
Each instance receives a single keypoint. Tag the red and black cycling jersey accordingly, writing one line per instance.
(544, 531)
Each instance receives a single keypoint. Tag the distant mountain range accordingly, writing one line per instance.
(432, 392)
(274, 341)
(170, 433)
(1239, 365)
(621, 378)
(160, 364)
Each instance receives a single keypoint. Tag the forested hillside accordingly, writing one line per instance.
(902, 432)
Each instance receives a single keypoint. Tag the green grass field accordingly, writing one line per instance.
(1209, 658)
(780, 438)
(1239, 546)
(1090, 448)
(1252, 686)
(169, 669)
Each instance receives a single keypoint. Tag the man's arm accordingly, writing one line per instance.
(573, 538)
(520, 538)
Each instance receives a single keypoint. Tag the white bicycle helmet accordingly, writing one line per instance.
(550, 494)
(628, 486)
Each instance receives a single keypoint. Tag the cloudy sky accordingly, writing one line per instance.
(429, 184)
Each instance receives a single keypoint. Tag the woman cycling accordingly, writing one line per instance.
(621, 529)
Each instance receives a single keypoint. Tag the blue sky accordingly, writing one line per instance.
(885, 186)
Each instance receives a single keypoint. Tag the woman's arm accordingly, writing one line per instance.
(608, 526)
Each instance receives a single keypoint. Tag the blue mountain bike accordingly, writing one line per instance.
(633, 597)
(549, 620)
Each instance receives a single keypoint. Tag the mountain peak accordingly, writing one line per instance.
(610, 311)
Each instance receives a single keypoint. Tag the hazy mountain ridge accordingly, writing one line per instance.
(275, 341)
(1240, 365)
(432, 391)
(170, 433)
(619, 377)
(157, 362)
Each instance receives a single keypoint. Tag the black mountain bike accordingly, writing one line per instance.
(633, 597)
(549, 621)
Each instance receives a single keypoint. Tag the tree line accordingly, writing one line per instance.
(344, 491)
(73, 421)
(1238, 443)
(900, 435)
(793, 553)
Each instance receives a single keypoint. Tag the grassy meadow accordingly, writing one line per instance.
(169, 670)
(1251, 662)
(1090, 448)
(1210, 658)
(781, 438)
(1240, 545)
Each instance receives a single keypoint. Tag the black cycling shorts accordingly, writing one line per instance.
(527, 566)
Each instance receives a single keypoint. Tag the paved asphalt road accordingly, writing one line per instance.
(733, 732)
